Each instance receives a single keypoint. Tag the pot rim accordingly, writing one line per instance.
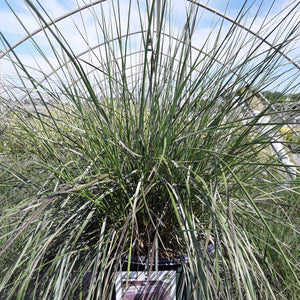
(141, 262)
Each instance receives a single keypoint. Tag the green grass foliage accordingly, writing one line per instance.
(167, 165)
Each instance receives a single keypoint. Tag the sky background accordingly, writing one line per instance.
(80, 30)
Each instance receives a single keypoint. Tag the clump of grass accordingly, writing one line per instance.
(169, 164)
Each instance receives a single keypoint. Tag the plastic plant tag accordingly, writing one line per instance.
(161, 285)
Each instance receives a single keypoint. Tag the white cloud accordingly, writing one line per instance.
(10, 25)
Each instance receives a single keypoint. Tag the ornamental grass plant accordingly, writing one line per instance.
(149, 146)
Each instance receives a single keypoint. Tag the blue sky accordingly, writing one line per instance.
(13, 31)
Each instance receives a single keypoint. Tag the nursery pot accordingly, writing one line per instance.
(163, 282)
